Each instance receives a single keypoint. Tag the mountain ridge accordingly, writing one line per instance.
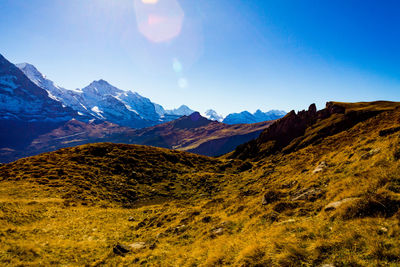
(192, 133)
(258, 116)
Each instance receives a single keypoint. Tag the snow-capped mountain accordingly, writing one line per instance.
(258, 116)
(101, 100)
(105, 103)
(181, 111)
(69, 98)
(21, 99)
(213, 115)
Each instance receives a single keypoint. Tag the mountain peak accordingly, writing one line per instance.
(258, 116)
(22, 98)
(213, 115)
(183, 110)
(31, 71)
(101, 87)
(193, 120)
(102, 82)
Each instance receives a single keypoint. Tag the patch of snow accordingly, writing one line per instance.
(96, 109)
(131, 109)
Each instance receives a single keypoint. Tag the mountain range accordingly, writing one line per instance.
(39, 116)
(101, 100)
(258, 116)
(192, 133)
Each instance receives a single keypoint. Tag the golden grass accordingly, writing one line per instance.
(205, 211)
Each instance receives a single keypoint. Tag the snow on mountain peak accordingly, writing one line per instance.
(181, 111)
(101, 87)
(101, 100)
(213, 115)
(258, 116)
(32, 72)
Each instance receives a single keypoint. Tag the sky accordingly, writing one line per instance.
(227, 55)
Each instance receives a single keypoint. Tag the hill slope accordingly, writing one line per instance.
(190, 133)
(321, 197)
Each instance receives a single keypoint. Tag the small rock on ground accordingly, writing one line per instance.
(121, 249)
(137, 245)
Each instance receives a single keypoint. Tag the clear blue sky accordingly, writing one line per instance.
(228, 55)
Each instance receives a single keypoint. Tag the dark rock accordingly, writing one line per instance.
(271, 196)
(245, 166)
(288, 133)
(284, 205)
(389, 131)
(121, 249)
(206, 219)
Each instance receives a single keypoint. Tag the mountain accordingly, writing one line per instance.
(192, 133)
(196, 134)
(181, 111)
(258, 116)
(21, 99)
(297, 130)
(68, 98)
(109, 103)
(26, 110)
(100, 100)
(317, 188)
(213, 115)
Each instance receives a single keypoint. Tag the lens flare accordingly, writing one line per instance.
(149, 2)
(183, 83)
(177, 65)
(159, 20)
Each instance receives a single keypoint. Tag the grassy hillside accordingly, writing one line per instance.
(328, 195)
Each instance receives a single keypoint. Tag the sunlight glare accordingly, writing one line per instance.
(150, 2)
(177, 65)
(159, 20)
(183, 83)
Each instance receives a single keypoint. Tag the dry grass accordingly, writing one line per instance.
(212, 214)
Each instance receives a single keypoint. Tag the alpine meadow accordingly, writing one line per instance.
(277, 142)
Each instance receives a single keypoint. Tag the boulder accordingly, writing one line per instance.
(121, 249)
(137, 245)
(271, 196)
(334, 205)
(322, 166)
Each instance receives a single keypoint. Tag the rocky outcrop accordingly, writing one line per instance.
(297, 130)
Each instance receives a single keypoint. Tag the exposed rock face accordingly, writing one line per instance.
(289, 133)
